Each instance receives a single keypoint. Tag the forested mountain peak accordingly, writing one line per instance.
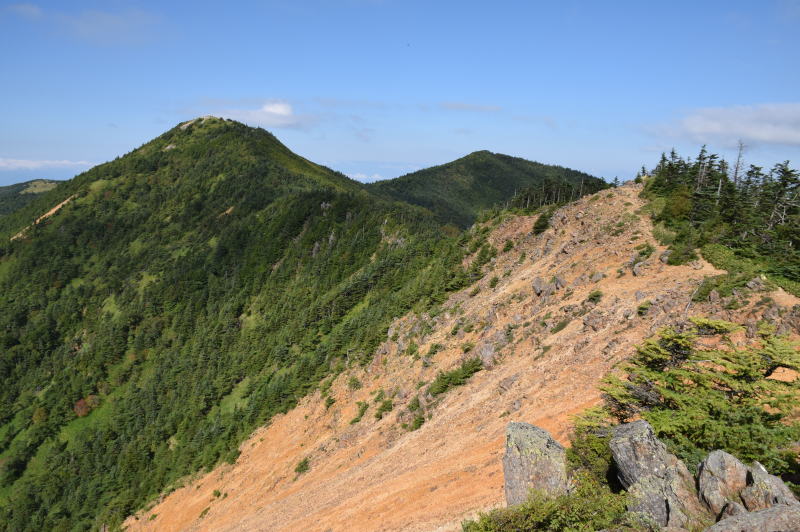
(457, 191)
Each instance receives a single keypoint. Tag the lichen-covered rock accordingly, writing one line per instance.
(533, 461)
(659, 485)
(764, 490)
(781, 518)
(721, 477)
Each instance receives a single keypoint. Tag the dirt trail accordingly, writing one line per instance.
(43, 217)
(375, 475)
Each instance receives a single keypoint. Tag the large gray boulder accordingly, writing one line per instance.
(533, 461)
(764, 490)
(658, 484)
(720, 479)
(781, 518)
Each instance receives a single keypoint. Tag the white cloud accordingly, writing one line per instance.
(273, 113)
(26, 10)
(769, 123)
(28, 164)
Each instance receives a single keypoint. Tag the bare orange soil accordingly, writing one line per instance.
(375, 475)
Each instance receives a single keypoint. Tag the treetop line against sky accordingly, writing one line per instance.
(376, 89)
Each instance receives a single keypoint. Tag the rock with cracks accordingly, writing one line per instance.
(720, 479)
(780, 518)
(658, 484)
(764, 490)
(533, 461)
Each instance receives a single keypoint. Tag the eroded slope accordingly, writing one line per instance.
(544, 356)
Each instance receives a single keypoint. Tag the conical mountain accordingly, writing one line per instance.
(457, 191)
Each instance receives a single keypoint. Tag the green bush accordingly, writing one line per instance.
(445, 381)
(595, 296)
(384, 407)
(302, 466)
(354, 384)
(700, 400)
(591, 506)
(561, 325)
(362, 408)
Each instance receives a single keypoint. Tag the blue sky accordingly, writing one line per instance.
(376, 89)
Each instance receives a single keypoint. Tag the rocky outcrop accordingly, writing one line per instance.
(781, 518)
(721, 477)
(728, 488)
(661, 490)
(658, 484)
(533, 461)
(542, 288)
(764, 490)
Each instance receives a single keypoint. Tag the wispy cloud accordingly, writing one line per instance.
(99, 27)
(29, 11)
(32, 164)
(471, 107)
(769, 123)
(272, 113)
(133, 26)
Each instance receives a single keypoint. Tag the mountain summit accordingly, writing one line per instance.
(457, 191)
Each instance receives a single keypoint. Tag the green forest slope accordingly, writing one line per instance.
(457, 191)
(186, 293)
(13, 197)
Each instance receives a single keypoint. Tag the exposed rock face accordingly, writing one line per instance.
(781, 518)
(721, 477)
(533, 460)
(658, 484)
(764, 490)
(543, 288)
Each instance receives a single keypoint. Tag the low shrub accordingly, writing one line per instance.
(447, 380)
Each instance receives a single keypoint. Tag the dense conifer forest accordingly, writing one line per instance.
(183, 295)
(744, 220)
(14, 197)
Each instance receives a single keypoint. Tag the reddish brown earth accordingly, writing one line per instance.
(376, 475)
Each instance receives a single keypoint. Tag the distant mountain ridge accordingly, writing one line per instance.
(16, 196)
(457, 191)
